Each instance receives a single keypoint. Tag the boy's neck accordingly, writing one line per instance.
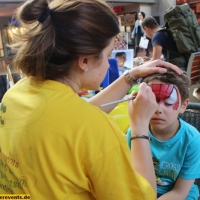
(167, 133)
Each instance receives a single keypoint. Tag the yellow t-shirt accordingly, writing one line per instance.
(56, 146)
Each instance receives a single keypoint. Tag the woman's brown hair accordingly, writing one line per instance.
(60, 32)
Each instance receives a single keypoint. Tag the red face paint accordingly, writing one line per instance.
(166, 93)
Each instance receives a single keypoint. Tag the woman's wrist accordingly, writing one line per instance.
(133, 74)
(139, 128)
(128, 78)
(140, 136)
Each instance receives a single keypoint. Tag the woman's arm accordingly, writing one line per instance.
(134, 30)
(140, 112)
(157, 53)
(119, 88)
(180, 190)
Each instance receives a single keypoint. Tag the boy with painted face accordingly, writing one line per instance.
(121, 59)
(174, 143)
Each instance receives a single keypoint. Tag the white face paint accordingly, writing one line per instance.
(173, 97)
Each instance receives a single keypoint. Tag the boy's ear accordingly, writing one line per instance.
(184, 106)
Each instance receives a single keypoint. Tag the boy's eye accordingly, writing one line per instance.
(169, 101)
(167, 104)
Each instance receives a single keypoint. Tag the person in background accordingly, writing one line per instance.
(174, 143)
(55, 145)
(163, 44)
(121, 59)
(138, 32)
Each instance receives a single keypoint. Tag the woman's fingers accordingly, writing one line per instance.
(160, 63)
(142, 108)
(152, 67)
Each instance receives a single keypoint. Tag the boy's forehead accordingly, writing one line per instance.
(167, 93)
(157, 82)
(162, 90)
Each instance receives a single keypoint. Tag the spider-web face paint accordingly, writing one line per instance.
(166, 93)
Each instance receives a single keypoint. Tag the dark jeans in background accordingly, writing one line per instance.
(3, 83)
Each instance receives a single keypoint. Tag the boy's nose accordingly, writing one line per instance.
(160, 105)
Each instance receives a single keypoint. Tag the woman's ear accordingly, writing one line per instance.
(184, 105)
(83, 63)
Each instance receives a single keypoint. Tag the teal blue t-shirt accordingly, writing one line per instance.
(176, 157)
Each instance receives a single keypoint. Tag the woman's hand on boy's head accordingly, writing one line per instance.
(162, 64)
(153, 67)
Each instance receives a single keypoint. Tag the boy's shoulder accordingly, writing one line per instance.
(189, 129)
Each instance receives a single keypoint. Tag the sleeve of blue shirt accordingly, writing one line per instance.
(135, 28)
(159, 38)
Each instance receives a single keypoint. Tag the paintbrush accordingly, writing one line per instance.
(118, 101)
